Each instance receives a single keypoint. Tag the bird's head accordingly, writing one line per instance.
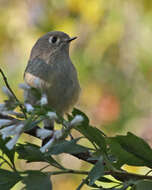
(55, 42)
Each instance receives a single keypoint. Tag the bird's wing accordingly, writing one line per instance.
(37, 73)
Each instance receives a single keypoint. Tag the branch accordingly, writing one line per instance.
(125, 176)
(13, 94)
(70, 171)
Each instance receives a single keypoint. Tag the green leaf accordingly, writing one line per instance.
(30, 124)
(96, 172)
(9, 153)
(64, 146)
(143, 185)
(93, 134)
(93, 185)
(106, 180)
(36, 180)
(78, 112)
(122, 155)
(131, 150)
(32, 153)
(8, 179)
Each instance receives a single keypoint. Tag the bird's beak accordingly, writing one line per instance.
(71, 39)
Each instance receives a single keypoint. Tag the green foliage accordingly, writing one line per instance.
(24, 152)
(131, 150)
(97, 171)
(9, 153)
(108, 156)
(36, 180)
(64, 146)
(93, 134)
(8, 179)
(143, 185)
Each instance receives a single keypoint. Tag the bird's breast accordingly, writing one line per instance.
(61, 85)
(64, 91)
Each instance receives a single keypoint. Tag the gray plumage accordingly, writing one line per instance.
(50, 64)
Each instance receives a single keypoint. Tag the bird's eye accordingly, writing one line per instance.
(53, 39)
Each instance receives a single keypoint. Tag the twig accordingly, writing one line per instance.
(68, 171)
(125, 176)
(82, 183)
(13, 94)
(45, 167)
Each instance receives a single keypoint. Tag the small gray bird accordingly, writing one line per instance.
(50, 69)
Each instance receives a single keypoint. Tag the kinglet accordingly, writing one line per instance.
(50, 69)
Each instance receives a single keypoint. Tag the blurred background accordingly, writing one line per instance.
(112, 55)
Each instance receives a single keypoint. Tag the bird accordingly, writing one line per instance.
(51, 70)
